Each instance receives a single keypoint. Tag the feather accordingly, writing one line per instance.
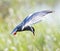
(34, 18)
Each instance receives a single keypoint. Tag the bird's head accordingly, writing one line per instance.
(28, 28)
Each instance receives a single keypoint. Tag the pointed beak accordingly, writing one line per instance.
(34, 34)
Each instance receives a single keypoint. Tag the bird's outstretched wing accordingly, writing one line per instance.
(35, 17)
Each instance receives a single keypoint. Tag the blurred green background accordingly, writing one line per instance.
(47, 32)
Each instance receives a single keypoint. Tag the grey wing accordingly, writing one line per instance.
(35, 17)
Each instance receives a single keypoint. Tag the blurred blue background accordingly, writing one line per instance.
(47, 32)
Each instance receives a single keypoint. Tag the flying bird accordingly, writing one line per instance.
(26, 24)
